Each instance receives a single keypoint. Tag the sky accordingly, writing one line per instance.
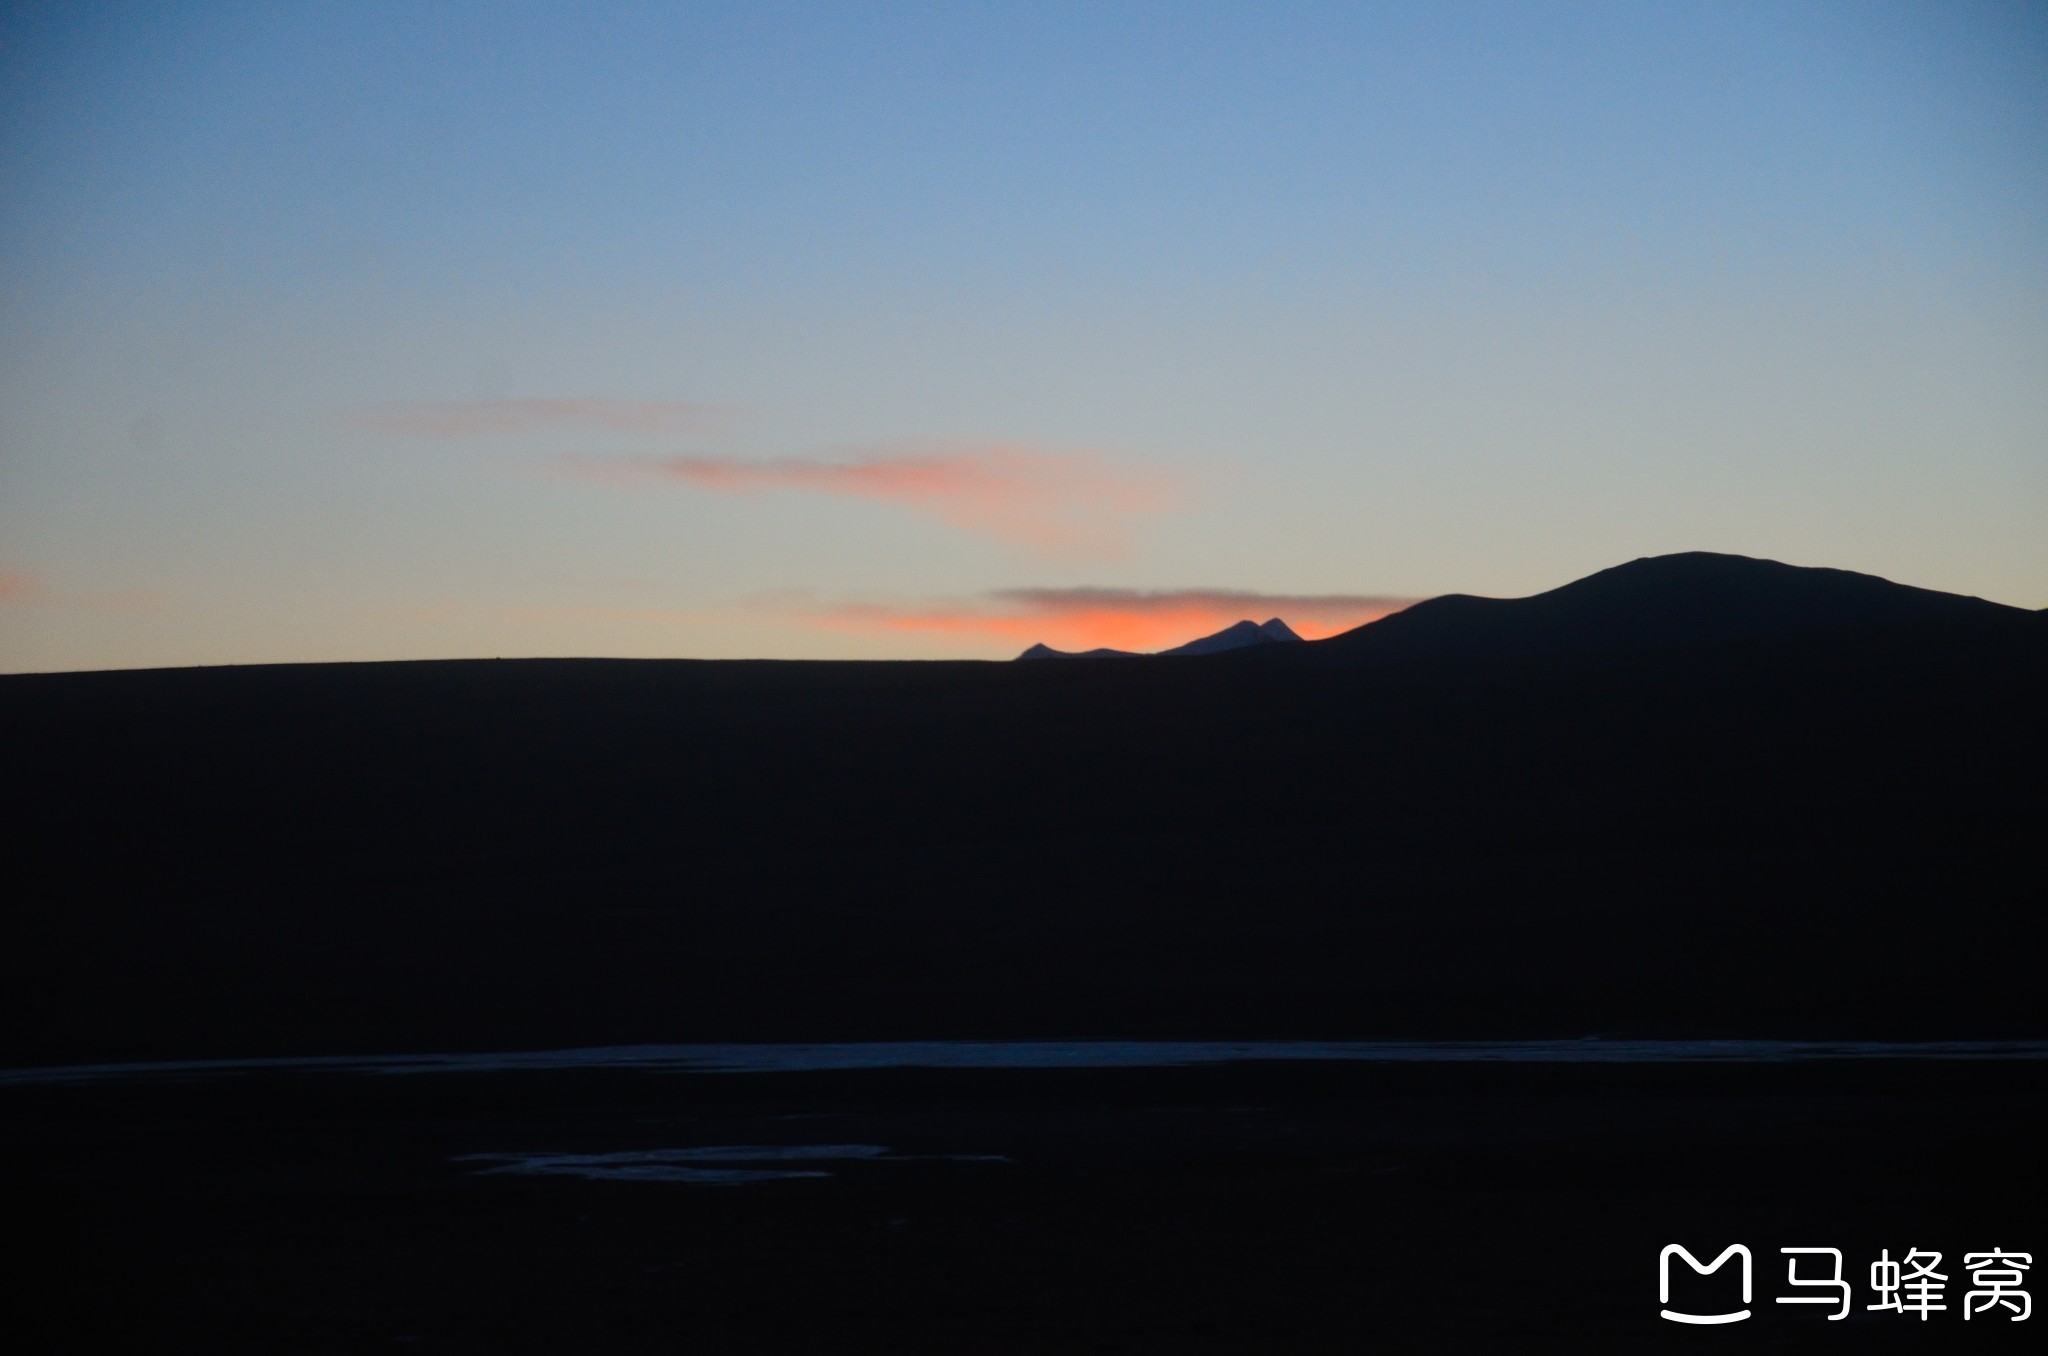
(363, 331)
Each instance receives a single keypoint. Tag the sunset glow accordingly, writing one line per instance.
(1117, 619)
(397, 331)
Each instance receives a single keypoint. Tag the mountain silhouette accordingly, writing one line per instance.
(1692, 598)
(1689, 598)
(1690, 795)
(1043, 651)
(1236, 636)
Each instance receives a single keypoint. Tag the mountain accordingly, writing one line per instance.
(1048, 652)
(1693, 795)
(1657, 602)
(1237, 636)
(1691, 598)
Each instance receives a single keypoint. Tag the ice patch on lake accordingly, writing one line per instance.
(1068, 1054)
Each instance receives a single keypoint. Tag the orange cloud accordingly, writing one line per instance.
(1119, 619)
(1052, 501)
(481, 418)
(16, 587)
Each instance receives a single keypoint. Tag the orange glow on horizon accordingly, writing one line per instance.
(1141, 629)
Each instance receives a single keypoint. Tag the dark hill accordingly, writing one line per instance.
(1796, 813)
(1693, 598)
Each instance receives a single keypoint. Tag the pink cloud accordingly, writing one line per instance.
(1048, 500)
(18, 587)
(483, 418)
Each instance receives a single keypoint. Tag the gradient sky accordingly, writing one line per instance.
(372, 331)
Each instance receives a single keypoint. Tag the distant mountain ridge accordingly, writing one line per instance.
(1702, 795)
(1236, 636)
(1689, 598)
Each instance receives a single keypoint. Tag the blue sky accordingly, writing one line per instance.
(367, 331)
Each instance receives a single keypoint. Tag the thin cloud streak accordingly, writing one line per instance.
(19, 588)
(578, 613)
(1053, 501)
(1338, 608)
(435, 614)
(487, 418)
(1121, 619)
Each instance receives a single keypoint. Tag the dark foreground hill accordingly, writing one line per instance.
(1693, 795)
